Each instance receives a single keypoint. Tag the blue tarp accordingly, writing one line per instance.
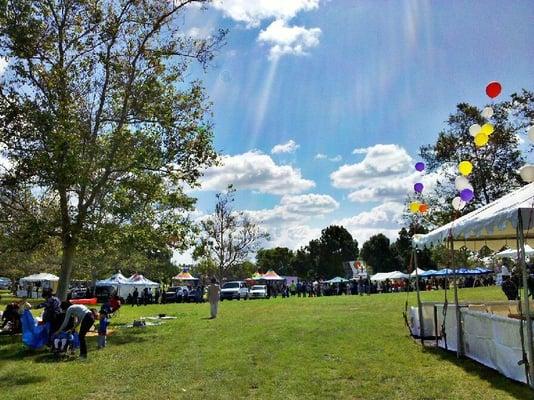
(33, 335)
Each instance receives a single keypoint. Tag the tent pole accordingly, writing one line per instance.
(459, 341)
(526, 304)
(419, 305)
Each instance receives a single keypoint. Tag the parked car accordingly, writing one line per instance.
(175, 294)
(79, 293)
(234, 290)
(258, 292)
(5, 283)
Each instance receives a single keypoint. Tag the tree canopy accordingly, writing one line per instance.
(97, 121)
(495, 165)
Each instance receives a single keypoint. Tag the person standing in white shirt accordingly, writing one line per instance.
(214, 292)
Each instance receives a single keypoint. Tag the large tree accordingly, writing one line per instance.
(228, 236)
(376, 253)
(495, 165)
(277, 258)
(96, 116)
(323, 257)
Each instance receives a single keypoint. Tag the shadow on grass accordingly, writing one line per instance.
(130, 335)
(53, 358)
(21, 378)
(515, 389)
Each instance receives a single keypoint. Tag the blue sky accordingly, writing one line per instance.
(320, 106)
(348, 90)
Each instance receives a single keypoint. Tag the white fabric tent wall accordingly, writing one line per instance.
(508, 220)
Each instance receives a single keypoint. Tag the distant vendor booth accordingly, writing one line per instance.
(184, 277)
(496, 334)
(32, 286)
(120, 285)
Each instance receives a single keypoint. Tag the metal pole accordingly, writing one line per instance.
(459, 339)
(526, 306)
(419, 305)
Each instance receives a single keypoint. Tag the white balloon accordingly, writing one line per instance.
(527, 173)
(461, 183)
(530, 134)
(458, 203)
(474, 129)
(487, 112)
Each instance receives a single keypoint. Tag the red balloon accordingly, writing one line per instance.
(493, 89)
(423, 208)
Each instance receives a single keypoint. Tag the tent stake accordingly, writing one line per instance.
(526, 305)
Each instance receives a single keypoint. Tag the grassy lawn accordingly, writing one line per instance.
(346, 347)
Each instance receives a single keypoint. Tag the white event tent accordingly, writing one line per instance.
(125, 285)
(417, 271)
(512, 253)
(382, 276)
(43, 280)
(506, 221)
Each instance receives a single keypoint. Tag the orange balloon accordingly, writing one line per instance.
(423, 208)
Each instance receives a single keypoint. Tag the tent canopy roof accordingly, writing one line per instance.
(271, 276)
(493, 225)
(382, 276)
(337, 279)
(512, 253)
(184, 276)
(40, 277)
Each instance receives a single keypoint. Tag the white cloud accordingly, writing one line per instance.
(309, 204)
(385, 174)
(255, 171)
(337, 158)
(199, 33)
(284, 39)
(289, 147)
(381, 161)
(296, 208)
(385, 218)
(321, 156)
(359, 150)
(288, 222)
(252, 12)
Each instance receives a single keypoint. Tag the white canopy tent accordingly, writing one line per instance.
(30, 284)
(506, 221)
(382, 276)
(493, 225)
(512, 253)
(125, 286)
(417, 271)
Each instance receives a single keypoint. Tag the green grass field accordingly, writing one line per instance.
(346, 347)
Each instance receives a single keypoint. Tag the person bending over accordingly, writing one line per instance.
(85, 318)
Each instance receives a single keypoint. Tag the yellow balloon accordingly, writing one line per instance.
(465, 168)
(414, 206)
(481, 139)
(487, 129)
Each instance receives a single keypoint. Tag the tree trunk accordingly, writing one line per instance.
(67, 257)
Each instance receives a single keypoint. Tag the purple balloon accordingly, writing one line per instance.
(420, 166)
(467, 195)
(418, 187)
